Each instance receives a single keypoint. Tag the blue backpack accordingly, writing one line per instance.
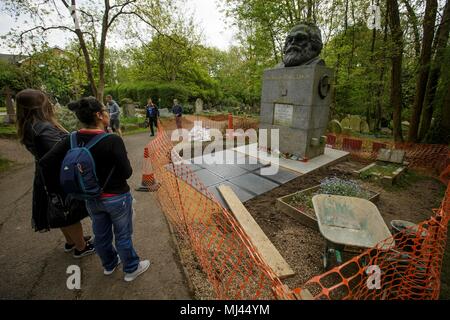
(78, 176)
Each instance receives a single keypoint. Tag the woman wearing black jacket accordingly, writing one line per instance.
(111, 213)
(39, 131)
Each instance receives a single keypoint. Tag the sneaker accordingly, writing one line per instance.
(108, 273)
(143, 266)
(69, 247)
(88, 250)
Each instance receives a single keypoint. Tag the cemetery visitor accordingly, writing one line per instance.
(39, 131)
(177, 110)
(114, 114)
(111, 213)
(152, 115)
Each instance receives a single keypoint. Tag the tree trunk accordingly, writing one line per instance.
(397, 59)
(10, 111)
(425, 58)
(445, 118)
(83, 46)
(101, 53)
(440, 47)
(412, 17)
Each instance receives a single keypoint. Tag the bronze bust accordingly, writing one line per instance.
(303, 46)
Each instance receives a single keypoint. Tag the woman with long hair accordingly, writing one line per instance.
(112, 212)
(39, 132)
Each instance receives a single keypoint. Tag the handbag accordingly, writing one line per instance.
(57, 211)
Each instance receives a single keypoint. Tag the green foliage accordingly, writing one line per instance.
(67, 119)
(161, 93)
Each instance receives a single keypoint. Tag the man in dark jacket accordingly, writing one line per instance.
(177, 110)
(152, 114)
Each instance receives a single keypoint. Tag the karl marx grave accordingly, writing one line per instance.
(296, 98)
(296, 101)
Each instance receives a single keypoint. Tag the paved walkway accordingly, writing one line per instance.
(33, 265)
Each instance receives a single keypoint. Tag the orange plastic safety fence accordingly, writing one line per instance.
(409, 263)
(405, 266)
(431, 157)
(225, 253)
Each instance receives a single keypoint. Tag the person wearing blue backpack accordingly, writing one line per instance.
(95, 167)
(152, 114)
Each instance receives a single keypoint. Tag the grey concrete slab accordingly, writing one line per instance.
(195, 167)
(208, 178)
(242, 194)
(283, 176)
(254, 183)
(250, 164)
(226, 171)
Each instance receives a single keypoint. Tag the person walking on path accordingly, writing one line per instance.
(177, 110)
(114, 115)
(152, 114)
(112, 212)
(39, 131)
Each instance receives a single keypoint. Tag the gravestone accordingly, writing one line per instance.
(365, 127)
(129, 110)
(394, 156)
(335, 127)
(355, 123)
(345, 123)
(199, 106)
(164, 113)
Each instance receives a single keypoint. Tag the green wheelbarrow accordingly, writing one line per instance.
(348, 223)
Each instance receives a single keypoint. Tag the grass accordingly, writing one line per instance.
(384, 170)
(5, 164)
(8, 131)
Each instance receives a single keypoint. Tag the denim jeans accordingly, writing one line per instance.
(108, 214)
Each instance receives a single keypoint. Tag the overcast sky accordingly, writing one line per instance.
(207, 14)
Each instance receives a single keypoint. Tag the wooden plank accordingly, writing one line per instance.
(266, 249)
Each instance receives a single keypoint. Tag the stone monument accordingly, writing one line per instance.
(199, 106)
(296, 95)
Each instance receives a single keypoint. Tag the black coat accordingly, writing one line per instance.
(39, 139)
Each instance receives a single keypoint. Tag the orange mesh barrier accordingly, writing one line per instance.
(410, 262)
(230, 261)
(430, 157)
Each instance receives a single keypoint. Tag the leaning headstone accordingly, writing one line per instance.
(129, 110)
(394, 156)
(384, 155)
(335, 127)
(164, 113)
(365, 127)
(345, 123)
(199, 106)
(397, 156)
(355, 123)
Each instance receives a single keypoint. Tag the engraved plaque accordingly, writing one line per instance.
(283, 115)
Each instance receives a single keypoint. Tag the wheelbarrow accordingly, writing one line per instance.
(348, 223)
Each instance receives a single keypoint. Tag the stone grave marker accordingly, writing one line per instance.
(355, 123)
(335, 127)
(365, 127)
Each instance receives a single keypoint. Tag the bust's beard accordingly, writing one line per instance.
(296, 57)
